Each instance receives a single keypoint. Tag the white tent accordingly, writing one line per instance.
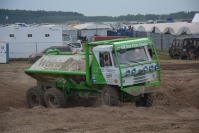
(196, 18)
(171, 28)
(91, 26)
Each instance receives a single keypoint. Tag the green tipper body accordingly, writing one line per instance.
(123, 63)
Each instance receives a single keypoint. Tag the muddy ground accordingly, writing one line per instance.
(175, 110)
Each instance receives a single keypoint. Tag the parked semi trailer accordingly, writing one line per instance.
(117, 70)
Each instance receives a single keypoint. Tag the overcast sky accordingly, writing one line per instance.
(105, 7)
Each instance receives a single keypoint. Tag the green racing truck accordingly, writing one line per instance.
(120, 70)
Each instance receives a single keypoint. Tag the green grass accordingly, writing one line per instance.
(165, 58)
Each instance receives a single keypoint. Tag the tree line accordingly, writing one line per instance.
(24, 16)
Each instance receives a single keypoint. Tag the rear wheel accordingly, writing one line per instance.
(54, 98)
(145, 101)
(110, 96)
(35, 97)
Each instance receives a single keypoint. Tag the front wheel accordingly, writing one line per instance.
(145, 101)
(54, 98)
(110, 96)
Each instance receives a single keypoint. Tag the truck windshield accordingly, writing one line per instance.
(132, 56)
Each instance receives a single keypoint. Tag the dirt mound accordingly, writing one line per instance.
(179, 89)
(179, 86)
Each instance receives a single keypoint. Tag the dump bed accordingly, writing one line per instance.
(57, 66)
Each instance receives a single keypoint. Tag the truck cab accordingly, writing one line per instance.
(124, 65)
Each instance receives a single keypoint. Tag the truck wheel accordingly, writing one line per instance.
(183, 57)
(146, 101)
(35, 97)
(54, 98)
(110, 96)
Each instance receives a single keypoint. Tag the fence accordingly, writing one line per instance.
(161, 41)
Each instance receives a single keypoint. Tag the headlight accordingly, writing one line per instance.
(145, 68)
(151, 68)
(156, 66)
(133, 71)
(128, 72)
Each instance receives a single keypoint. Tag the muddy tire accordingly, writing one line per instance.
(35, 97)
(110, 96)
(54, 98)
(146, 101)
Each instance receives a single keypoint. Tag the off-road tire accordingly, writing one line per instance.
(35, 97)
(183, 57)
(54, 98)
(110, 96)
(146, 101)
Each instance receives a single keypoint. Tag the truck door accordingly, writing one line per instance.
(106, 67)
(103, 74)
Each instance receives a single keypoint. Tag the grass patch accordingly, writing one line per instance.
(165, 58)
(163, 55)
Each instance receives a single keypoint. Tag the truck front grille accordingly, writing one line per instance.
(140, 79)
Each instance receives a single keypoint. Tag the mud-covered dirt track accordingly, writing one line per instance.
(175, 110)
